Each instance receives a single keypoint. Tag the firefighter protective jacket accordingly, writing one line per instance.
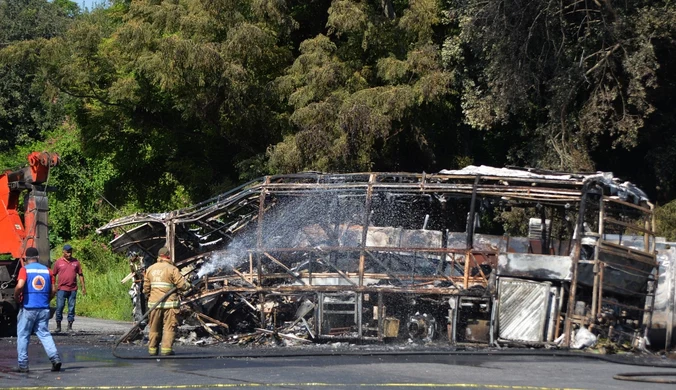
(158, 280)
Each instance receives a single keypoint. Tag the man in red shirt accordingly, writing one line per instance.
(66, 270)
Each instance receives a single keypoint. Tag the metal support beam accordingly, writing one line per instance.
(579, 232)
(171, 236)
(365, 229)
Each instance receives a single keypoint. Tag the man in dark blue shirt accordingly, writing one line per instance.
(34, 289)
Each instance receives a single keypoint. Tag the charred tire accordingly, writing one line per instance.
(8, 315)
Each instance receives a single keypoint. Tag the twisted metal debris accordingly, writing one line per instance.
(479, 255)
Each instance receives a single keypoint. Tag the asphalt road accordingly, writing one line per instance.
(94, 325)
(89, 364)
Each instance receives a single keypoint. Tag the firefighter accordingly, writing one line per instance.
(158, 280)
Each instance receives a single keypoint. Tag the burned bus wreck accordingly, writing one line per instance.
(479, 255)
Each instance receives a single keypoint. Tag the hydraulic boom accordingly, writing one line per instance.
(23, 224)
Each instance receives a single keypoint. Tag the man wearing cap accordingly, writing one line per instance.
(67, 269)
(33, 291)
(159, 279)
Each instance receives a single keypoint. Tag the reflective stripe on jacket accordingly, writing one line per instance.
(164, 305)
(158, 280)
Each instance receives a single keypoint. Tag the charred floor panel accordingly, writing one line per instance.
(479, 256)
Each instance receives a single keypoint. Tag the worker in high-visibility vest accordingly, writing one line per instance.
(158, 280)
(33, 291)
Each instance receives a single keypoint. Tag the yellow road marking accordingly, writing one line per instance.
(308, 384)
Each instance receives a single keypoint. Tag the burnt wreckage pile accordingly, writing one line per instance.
(479, 255)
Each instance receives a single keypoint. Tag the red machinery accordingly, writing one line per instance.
(23, 223)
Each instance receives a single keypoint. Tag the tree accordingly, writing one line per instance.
(368, 92)
(24, 25)
(175, 92)
(572, 75)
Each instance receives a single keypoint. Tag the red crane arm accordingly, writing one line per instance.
(17, 235)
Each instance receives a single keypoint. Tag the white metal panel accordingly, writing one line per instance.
(523, 308)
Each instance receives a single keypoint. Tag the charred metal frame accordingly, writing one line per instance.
(269, 270)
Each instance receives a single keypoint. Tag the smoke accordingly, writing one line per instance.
(282, 224)
(224, 260)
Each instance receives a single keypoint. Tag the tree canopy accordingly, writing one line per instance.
(157, 104)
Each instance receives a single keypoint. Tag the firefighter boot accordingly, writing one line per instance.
(58, 327)
(70, 326)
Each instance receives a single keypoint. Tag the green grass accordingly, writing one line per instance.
(106, 296)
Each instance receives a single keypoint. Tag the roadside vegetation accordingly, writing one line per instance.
(106, 296)
(154, 105)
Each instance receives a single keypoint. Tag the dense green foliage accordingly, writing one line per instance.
(24, 113)
(157, 104)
